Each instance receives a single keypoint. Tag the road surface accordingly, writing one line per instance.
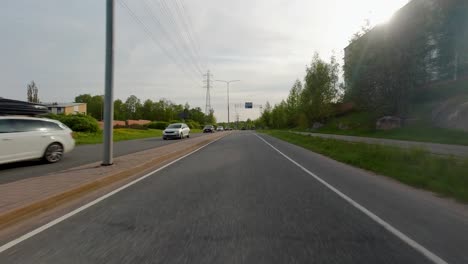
(434, 148)
(239, 200)
(81, 155)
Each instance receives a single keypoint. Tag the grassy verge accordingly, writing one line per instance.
(443, 175)
(120, 134)
(359, 124)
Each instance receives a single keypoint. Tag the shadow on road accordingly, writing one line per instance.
(19, 164)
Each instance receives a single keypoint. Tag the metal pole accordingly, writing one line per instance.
(227, 85)
(109, 85)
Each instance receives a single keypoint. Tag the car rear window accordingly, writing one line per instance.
(5, 126)
(25, 125)
(52, 126)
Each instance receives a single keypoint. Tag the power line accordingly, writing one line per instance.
(189, 23)
(186, 21)
(155, 40)
(183, 37)
(180, 50)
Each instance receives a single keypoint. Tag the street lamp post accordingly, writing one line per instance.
(109, 85)
(227, 86)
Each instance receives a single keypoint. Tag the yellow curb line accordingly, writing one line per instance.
(35, 208)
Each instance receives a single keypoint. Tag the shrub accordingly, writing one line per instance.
(77, 123)
(193, 124)
(158, 125)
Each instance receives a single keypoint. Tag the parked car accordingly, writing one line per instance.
(27, 138)
(208, 129)
(176, 130)
(220, 128)
(228, 128)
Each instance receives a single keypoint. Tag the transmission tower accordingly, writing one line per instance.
(208, 87)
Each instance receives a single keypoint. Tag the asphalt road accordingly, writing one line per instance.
(240, 201)
(81, 155)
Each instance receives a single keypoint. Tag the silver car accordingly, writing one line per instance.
(177, 130)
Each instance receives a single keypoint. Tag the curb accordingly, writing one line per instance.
(16, 215)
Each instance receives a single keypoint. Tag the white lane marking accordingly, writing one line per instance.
(86, 206)
(428, 254)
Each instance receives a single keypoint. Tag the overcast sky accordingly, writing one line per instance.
(264, 43)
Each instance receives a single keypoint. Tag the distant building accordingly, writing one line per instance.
(67, 108)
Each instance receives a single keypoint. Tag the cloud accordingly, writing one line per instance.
(264, 43)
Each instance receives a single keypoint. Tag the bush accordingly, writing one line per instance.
(193, 124)
(77, 123)
(158, 125)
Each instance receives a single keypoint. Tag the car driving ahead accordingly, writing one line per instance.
(26, 138)
(219, 128)
(208, 129)
(176, 130)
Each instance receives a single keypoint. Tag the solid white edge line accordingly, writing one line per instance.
(86, 206)
(424, 251)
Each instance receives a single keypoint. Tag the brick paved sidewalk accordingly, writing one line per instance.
(25, 193)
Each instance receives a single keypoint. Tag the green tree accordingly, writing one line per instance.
(147, 110)
(266, 115)
(293, 104)
(320, 89)
(119, 110)
(211, 119)
(32, 92)
(83, 98)
(132, 105)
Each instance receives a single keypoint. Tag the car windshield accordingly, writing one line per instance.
(175, 126)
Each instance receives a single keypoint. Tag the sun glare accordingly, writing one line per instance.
(383, 13)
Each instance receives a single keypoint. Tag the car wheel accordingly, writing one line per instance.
(53, 153)
(164, 138)
(188, 135)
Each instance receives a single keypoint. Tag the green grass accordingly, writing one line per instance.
(120, 134)
(195, 130)
(361, 124)
(447, 176)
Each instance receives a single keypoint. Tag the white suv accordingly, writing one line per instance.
(25, 138)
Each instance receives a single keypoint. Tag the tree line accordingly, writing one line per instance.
(133, 108)
(386, 67)
(308, 102)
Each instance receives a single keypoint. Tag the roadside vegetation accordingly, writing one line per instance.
(393, 84)
(361, 124)
(86, 129)
(120, 134)
(446, 176)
